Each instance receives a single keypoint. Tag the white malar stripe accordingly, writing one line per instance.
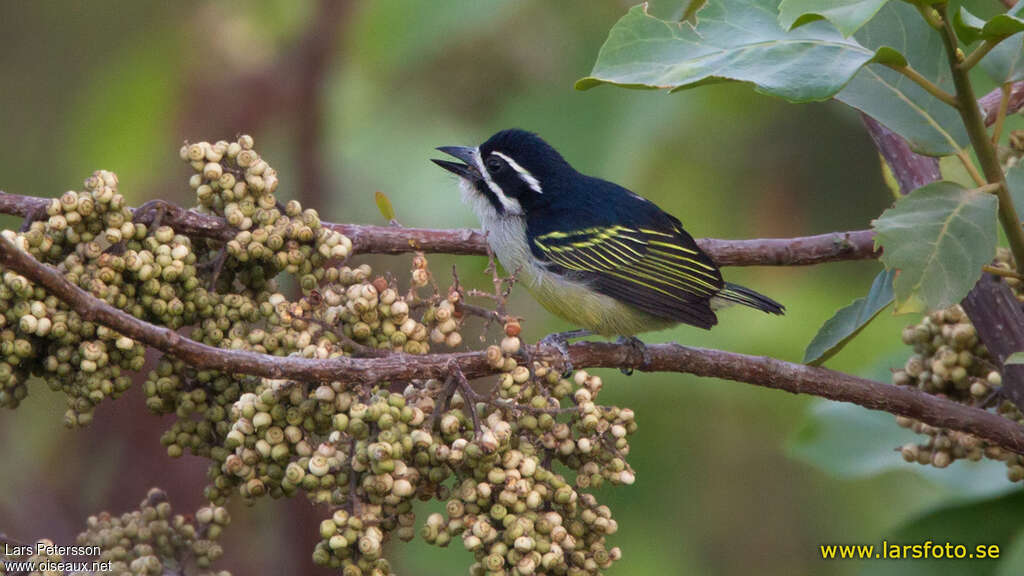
(523, 173)
(511, 206)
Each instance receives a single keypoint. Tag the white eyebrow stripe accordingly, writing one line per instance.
(523, 173)
(510, 205)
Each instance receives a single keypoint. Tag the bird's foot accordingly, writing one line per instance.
(560, 341)
(638, 347)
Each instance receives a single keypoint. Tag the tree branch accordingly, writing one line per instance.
(368, 239)
(989, 103)
(990, 305)
(999, 320)
(761, 371)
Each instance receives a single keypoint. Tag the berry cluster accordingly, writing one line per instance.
(153, 540)
(41, 336)
(949, 359)
(370, 453)
(514, 464)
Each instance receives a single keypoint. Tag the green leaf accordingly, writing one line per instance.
(1015, 182)
(889, 178)
(1011, 557)
(847, 322)
(826, 439)
(968, 26)
(929, 126)
(992, 522)
(953, 170)
(851, 442)
(938, 237)
(1005, 63)
(846, 15)
(384, 205)
(1002, 26)
(735, 40)
(1015, 358)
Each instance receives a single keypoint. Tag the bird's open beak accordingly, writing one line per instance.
(465, 153)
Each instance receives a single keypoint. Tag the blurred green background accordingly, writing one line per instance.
(345, 99)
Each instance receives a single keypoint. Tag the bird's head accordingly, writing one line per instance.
(514, 171)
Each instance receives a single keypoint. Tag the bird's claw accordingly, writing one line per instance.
(639, 347)
(562, 345)
(560, 341)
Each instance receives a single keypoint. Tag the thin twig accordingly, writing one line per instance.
(968, 164)
(1004, 104)
(1005, 273)
(927, 84)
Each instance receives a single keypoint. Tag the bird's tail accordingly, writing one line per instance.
(734, 293)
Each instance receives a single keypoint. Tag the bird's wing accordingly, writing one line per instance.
(658, 269)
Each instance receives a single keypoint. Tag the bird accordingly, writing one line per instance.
(588, 250)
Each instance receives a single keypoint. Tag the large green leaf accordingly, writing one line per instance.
(737, 40)
(848, 321)
(1003, 25)
(929, 125)
(938, 237)
(993, 522)
(848, 441)
(1005, 63)
(1015, 182)
(847, 15)
(970, 28)
(1011, 558)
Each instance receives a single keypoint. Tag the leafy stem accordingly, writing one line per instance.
(930, 15)
(972, 170)
(927, 84)
(983, 148)
(975, 56)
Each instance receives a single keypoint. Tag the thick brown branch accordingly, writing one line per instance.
(762, 371)
(989, 103)
(367, 239)
(997, 316)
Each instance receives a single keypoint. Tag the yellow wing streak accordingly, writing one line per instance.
(590, 259)
(656, 232)
(635, 281)
(673, 246)
(685, 263)
(674, 275)
(689, 284)
(630, 254)
(598, 254)
(616, 249)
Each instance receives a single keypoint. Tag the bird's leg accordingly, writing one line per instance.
(639, 347)
(560, 341)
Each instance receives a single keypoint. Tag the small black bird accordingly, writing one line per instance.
(589, 250)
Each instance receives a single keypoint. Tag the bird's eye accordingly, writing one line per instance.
(494, 165)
